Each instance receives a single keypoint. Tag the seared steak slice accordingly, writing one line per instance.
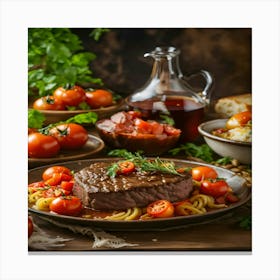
(99, 191)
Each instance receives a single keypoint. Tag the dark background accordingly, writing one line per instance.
(224, 52)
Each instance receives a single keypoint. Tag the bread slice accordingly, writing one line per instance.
(231, 105)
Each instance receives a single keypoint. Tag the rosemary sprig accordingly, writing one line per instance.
(142, 163)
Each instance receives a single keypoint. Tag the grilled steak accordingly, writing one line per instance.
(99, 191)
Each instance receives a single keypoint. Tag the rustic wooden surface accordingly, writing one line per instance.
(221, 234)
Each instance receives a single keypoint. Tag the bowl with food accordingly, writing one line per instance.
(68, 101)
(230, 137)
(128, 130)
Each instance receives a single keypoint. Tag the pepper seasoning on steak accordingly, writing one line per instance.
(99, 191)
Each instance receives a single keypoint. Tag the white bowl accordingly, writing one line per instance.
(242, 151)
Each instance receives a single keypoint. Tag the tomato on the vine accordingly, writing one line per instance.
(161, 209)
(70, 95)
(48, 103)
(99, 98)
(200, 173)
(42, 146)
(66, 205)
(214, 188)
(70, 135)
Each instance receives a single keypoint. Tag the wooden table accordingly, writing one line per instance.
(221, 234)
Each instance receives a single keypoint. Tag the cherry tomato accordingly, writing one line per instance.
(42, 146)
(70, 96)
(239, 119)
(67, 185)
(214, 188)
(70, 136)
(66, 205)
(48, 173)
(99, 98)
(125, 167)
(48, 103)
(200, 173)
(161, 209)
(30, 227)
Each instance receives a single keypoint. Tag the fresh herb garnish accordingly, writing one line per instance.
(203, 151)
(142, 163)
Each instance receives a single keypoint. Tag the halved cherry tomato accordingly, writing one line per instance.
(66, 205)
(70, 95)
(200, 173)
(161, 209)
(239, 119)
(48, 173)
(42, 146)
(70, 135)
(30, 227)
(48, 103)
(214, 188)
(125, 167)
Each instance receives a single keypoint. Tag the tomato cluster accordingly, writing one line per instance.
(57, 183)
(73, 97)
(67, 136)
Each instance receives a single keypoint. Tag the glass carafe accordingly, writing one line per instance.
(167, 95)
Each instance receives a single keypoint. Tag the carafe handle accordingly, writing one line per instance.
(205, 93)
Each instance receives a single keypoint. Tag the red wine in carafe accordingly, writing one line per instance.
(186, 113)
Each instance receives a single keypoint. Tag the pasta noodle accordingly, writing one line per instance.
(44, 203)
(129, 214)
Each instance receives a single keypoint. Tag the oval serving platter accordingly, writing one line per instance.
(92, 147)
(243, 192)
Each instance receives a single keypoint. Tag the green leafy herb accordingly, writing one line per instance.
(142, 163)
(167, 119)
(35, 119)
(85, 118)
(56, 57)
(224, 160)
(98, 32)
(190, 149)
(246, 222)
